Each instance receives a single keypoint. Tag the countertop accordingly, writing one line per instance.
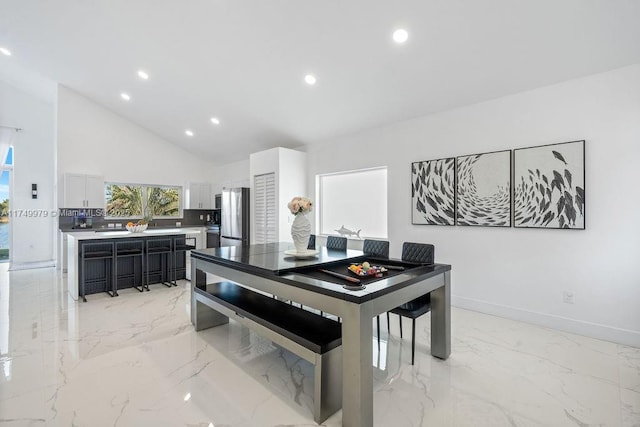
(116, 234)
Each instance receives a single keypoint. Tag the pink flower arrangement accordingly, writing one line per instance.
(299, 205)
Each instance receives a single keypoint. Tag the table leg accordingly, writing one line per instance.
(441, 319)
(198, 277)
(357, 362)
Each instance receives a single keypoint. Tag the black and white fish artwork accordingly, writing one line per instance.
(432, 192)
(549, 186)
(483, 191)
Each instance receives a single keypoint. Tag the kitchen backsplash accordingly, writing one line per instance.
(191, 217)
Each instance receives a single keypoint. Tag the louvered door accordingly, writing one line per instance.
(266, 224)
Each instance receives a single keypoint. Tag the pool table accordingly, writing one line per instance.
(267, 268)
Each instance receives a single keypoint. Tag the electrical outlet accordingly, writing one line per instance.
(178, 223)
(568, 297)
(201, 217)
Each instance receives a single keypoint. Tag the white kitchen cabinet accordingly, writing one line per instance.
(83, 191)
(199, 195)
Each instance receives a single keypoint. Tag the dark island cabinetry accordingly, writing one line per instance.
(110, 265)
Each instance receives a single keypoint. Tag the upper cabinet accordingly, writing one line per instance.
(83, 191)
(198, 196)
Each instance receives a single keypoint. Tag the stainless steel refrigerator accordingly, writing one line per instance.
(234, 227)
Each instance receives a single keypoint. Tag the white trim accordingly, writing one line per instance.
(580, 327)
(14, 266)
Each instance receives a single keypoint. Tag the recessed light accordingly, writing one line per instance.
(188, 132)
(125, 96)
(143, 75)
(400, 36)
(5, 51)
(215, 120)
(310, 79)
(187, 397)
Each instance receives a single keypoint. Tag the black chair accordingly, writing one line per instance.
(312, 242)
(131, 249)
(335, 243)
(376, 249)
(419, 253)
(89, 254)
(180, 244)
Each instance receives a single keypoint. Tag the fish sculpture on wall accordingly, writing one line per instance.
(345, 232)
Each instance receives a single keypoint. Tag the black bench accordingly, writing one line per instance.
(314, 338)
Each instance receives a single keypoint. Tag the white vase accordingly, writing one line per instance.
(300, 232)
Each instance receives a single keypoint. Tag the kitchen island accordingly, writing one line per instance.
(75, 240)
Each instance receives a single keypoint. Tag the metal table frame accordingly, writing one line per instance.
(357, 329)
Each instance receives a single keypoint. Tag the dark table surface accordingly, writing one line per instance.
(269, 260)
(270, 257)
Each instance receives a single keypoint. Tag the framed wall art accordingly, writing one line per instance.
(549, 186)
(483, 189)
(433, 192)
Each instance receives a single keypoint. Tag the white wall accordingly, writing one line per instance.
(291, 182)
(94, 140)
(34, 163)
(520, 273)
(289, 169)
(231, 175)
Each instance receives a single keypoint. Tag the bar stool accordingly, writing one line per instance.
(95, 251)
(130, 249)
(162, 248)
(180, 244)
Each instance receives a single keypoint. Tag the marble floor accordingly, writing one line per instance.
(136, 361)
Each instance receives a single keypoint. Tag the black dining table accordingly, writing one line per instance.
(315, 282)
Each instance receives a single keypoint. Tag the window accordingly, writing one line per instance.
(137, 201)
(163, 201)
(353, 202)
(124, 201)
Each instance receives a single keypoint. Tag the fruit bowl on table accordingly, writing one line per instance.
(136, 228)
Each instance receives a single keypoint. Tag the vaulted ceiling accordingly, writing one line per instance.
(244, 61)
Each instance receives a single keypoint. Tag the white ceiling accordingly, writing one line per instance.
(244, 61)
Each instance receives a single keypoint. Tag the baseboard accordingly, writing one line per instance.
(30, 265)
(588, 329)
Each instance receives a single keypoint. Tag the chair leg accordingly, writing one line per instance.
(145, 283)
(378, 324)
(400, 320)
(82, 289)
(115, 275)
(388, 325)
(165, 273)
(144, 267)
(413, 340)
(109, 278)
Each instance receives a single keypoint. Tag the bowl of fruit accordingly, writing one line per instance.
(366, 269)
(137, 227)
